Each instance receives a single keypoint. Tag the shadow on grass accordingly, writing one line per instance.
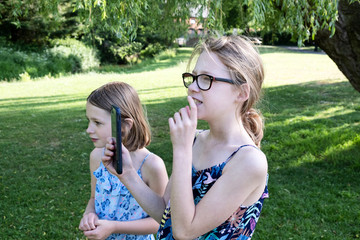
(36, 102)
(312, 143)
(312, 119)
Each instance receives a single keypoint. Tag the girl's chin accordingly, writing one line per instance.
(99, 144)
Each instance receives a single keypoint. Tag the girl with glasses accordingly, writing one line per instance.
(219, 176)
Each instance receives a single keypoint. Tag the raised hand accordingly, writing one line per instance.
(183, 125)
(109, 153)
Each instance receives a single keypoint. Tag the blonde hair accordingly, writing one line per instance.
(126, 98)
(245, 65)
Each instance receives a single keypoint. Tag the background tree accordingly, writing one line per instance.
(37, 21)
(332, 24)
(236, 15)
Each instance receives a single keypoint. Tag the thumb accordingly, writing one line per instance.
(97, 222)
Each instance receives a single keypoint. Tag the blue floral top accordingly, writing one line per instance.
(113, 201)
(240, 225)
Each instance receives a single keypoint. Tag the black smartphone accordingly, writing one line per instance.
(116, 133)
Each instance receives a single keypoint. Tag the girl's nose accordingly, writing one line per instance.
(193, 87)
(89, 129)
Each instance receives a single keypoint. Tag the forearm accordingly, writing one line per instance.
(137, 227)
(90, 208)
(150, 201)
(182, 200)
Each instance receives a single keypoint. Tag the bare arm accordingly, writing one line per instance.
(89, 217)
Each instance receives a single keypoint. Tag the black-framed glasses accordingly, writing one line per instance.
(203, 81)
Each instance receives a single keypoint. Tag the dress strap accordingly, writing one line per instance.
(245, 145)
(144, 160)
(197, 134)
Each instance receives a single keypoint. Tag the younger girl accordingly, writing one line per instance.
(219, 176)
(112, 212)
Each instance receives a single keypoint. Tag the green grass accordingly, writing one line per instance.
(312, 141)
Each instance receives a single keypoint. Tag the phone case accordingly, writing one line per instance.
(116, 133)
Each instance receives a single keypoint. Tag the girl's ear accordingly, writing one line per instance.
(243, 93)
(127, 124)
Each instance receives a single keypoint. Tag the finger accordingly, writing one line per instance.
(90, 234)
(184, 112)
(193, 108)
(92, 224)
(85, 226)
(105, 158)
(171, 123)
(177, 118)
(109, 146)
(97, 222)
(81, 225)
(108, 153)
(109, 140)
(188, 110)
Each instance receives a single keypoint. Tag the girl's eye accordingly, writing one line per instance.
(97, 123)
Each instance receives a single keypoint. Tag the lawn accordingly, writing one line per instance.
(312, 141)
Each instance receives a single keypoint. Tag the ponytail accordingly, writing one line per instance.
(254, 125)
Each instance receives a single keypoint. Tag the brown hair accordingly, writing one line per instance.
(126, 98)
(244, 64)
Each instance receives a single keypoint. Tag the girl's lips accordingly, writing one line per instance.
(197, 102)
(93, 139)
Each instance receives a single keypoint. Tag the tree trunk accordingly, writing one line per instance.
(344, 47)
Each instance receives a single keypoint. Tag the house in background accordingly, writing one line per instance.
(195, 29)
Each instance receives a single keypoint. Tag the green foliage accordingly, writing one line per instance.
(37, 21)
(66, 56)
(40, 20)
(166, 18)
(13, 63)
(276, 38)
(82, 57)
(236, 15)
(127, 53)
(300, 18)
(151, 50)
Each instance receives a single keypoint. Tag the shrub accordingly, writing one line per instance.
(127, 53)
(166, 54)
(81, 57)
(66, 56)
(151, 50)
(14, 62)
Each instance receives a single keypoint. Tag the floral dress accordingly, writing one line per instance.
(113, 201)
(240, 225)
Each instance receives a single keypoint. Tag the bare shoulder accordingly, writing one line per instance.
(250, 161)
(154, 174)
(154, 164)
(95, 158)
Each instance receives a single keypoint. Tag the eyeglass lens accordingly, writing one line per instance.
(203, 81)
